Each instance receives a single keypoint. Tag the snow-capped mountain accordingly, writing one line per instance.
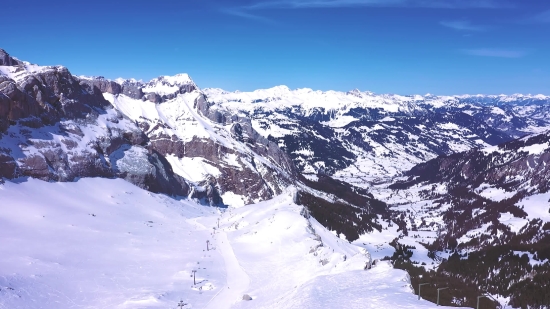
(161, 135)
(365, 138)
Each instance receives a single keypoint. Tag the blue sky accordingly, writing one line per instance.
(385, 46)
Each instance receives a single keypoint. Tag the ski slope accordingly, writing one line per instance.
(104, 243)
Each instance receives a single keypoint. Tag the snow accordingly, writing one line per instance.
(381, 287)
(537, 206)
(104, 243)
(132, 160)
(535, 149)
(378, 243)
(498, 111)
(18, 73)
(276, 112)
(531, 256)
(134, 109)
(236, 277)
(515, 224)
(340, 122)
(491, 149)
(195, 169)
(165, 85)
(161, 89)
(335, 102)
(178, 79)
(305, 152)
(64, 137)
(449, 126)
(178, 118)
(494, 194)
(233, 200)
(100, 243)
(474, 233)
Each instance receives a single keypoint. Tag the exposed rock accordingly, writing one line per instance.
(20, 104)
(500, 167)
(104, 85)
(132, 89)
(247, 297)
(153, 97)
(4, 112)
(172, 87)
(35, 166)
(207, 193)
(163, 179)
(254, 181)
(7, 60)
(204, 108)
(8, 166)
(212, 193)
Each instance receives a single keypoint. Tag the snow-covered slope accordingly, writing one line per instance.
(100, 243)
(104, 243)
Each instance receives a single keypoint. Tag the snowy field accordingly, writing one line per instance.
(104, 243)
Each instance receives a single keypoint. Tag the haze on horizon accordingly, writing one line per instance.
(385, 46)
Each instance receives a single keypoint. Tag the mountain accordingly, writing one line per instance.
(165, 136)
(162, 135)
(485, 215)
(459, 184)
(366, 138)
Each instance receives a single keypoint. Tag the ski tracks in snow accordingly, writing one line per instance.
(237, 279)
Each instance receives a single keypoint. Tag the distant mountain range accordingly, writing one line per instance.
(363, 137)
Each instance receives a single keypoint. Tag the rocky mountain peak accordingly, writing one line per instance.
(157, 90)
(355, 92)
(165, 88)
(7, 60)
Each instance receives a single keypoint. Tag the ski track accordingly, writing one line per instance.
(237, 279)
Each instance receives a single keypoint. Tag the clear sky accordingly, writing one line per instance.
(385, 46)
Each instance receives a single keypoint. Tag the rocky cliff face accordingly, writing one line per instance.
(7, 60)
(163, 135)
(226, 155)
(57, 128)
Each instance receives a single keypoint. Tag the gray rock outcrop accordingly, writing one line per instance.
(7, 60)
